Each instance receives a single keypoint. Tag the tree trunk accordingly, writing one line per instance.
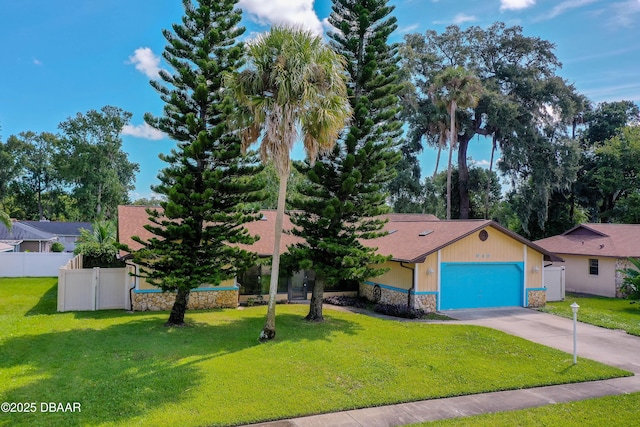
(463, 178)
(452, 139)
(441, 141)
(176, 318)
(269, 330)
(486, 196)
(315, 307)
(40, 209)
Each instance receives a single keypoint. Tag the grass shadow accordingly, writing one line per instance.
(47, 304)
(125, 370)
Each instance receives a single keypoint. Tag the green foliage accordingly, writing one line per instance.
(344, 196)
(207, 187)
(631, 284)
(607, 119)
(433, 199)
(524, 106)
(90, 159)
(98, 246)
(609, 179)
(270, 176)
(57, 247)
(294, 86)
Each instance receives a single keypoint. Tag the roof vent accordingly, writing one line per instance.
(425, 233)
(392, 231)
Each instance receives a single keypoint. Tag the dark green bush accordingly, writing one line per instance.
(399, 311)
(57, 247)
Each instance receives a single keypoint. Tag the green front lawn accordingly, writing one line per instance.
(622, 410)
(612, 313)
(128, 369)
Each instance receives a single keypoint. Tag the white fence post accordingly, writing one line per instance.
(61, 285)
(95, 287)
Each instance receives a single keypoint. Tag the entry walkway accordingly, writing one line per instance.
(614, 348)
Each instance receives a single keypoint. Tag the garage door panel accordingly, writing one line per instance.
(480, 285)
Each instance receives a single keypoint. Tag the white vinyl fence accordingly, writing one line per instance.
(93, 288)
(32, 264)
(554, 282)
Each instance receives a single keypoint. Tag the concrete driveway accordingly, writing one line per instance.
(612, 347)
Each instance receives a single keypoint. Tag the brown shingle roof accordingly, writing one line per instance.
(607, 240)
(404, 242)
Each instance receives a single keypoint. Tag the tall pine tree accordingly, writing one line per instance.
(207, 183)
(345, 195)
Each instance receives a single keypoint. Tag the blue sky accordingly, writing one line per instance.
(61, 57)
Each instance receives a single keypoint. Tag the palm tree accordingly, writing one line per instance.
(4, 219)
(293, 86)
(456, 88)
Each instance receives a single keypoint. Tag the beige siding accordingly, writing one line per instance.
(578, 279)
(428, 274)
(143, 285)
(534, 268)
(497, 248)
(397, 276)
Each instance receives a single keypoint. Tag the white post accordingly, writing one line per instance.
(574, 309)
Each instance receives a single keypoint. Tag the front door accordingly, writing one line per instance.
(298, 286)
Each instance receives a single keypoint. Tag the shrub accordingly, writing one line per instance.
(96, 255)
(631, 285)
(57, 247)
(399, 311)
(98, 246)
(344, 301)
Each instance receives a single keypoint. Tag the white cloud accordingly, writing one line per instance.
(36, 61)
(563, 7)
(146, 61)
(462, 18)
(282, 12)
(143, 131)
(624, 14)
(482, 163)
(408, 28)
(516, 4)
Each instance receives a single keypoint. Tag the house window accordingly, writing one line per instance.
(593, 267)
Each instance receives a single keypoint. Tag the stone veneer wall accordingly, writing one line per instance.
(537, 298)
(160, 301)
(387, 296)
(427, 303)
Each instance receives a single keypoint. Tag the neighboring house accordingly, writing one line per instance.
(66, 232)
(25, 238)
(436, 265)
(4, 247)
(593, 255)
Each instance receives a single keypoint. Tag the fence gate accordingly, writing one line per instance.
(93, 289)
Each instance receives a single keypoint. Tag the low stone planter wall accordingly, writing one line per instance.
(427, 303)
(198, 300)
(383, 295)
(537, 298)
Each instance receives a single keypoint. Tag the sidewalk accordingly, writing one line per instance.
(614, 348)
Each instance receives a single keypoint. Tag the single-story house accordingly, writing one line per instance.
(435, 265)
(5, 247)
(66, 232)
(593, 255)
(443, 265)
(25, 238)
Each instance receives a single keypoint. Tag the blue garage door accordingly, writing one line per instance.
(480, 285)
